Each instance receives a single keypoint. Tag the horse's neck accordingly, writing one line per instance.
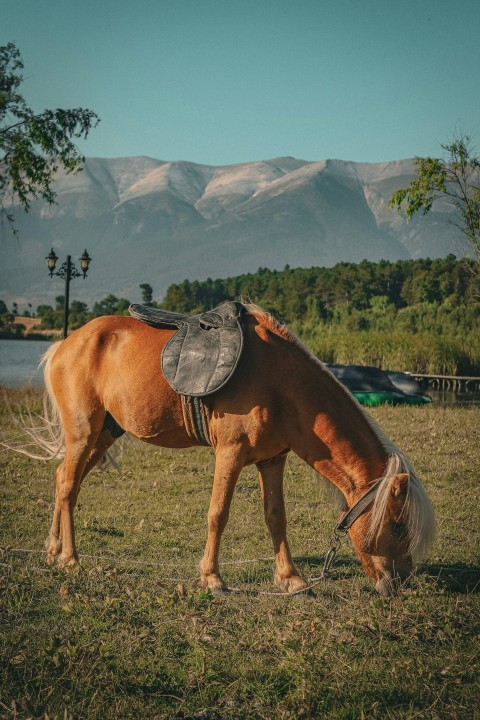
(333, 434)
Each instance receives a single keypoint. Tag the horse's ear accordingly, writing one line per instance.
(400, 484)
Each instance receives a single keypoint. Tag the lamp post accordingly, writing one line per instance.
(68, 271)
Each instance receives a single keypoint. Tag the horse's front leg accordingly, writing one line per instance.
(271, 483)
(228, 466)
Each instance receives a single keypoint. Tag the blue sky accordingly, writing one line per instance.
(218, 82)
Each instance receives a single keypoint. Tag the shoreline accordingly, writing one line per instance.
(30, 336)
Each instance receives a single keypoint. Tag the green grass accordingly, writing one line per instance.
(130, 635)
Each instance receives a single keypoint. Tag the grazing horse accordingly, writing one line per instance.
(280, 398)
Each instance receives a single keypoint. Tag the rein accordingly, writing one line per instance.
(345, 523)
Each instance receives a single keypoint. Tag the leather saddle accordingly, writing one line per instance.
(202, 355)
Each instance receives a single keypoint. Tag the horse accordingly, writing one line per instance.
(281, 398)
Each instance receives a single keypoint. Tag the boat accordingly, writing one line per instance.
(372, 386)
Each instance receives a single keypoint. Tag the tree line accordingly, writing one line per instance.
(415, 315)
(51, 317)
(318, 292)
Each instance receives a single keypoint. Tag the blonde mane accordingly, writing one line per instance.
(418, 514)
(267, 320)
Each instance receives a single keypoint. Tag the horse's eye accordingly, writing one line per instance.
(398, 529)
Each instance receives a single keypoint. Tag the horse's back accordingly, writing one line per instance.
(109, 344)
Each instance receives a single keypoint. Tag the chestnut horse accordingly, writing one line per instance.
(280, 398)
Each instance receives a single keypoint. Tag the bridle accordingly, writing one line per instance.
(345, 523)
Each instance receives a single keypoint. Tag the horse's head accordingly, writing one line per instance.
(399, 527)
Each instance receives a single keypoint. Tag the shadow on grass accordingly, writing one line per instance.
(458, 577)
(101, 530)
(341, 567)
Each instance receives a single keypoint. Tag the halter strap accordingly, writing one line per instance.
(358, 508)
(346, 523)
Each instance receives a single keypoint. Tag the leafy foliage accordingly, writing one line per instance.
(415, 315)
(147, 293)
(111, 305)
(455, 177)
(317, 293)
(34, 145)
(51, 318)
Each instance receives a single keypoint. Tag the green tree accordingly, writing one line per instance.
(111, 305)
(79, 314)
(455, 177)
(34, 145)
(7, 319)
(50, 318)
(147, 293)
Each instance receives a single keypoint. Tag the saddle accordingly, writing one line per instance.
(202, 355)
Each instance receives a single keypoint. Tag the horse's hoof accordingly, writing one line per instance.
(214, 583)
(67, 562)
(53, 546)
(294, 584)
(223, 590)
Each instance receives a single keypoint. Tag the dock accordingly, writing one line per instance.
(455, 383)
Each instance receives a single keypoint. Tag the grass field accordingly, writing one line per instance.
(129, 634)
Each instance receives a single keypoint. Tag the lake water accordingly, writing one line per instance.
(19, 362)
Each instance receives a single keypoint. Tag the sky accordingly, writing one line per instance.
(220, 82)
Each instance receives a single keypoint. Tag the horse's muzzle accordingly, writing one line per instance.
(390, 583)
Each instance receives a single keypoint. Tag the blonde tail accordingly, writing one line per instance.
(41, 432)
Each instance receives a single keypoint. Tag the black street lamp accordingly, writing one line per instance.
(68, 271)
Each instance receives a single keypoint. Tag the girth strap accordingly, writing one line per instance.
(195, 419)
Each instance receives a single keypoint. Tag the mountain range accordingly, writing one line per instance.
(149, 221)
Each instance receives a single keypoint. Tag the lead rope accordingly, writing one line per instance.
(335, 542)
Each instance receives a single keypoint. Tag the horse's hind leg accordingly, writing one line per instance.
(271, 483)
(80, 457)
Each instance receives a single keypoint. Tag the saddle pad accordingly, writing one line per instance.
(202, 355)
